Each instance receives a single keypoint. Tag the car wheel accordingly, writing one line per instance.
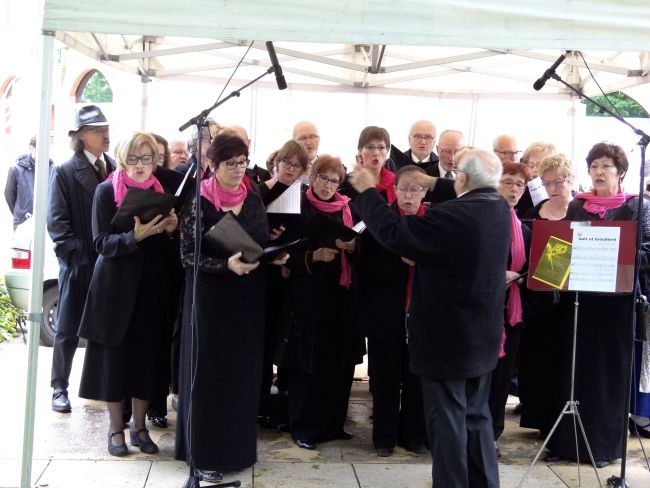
(48, 323)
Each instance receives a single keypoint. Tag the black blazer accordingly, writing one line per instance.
(461, 249)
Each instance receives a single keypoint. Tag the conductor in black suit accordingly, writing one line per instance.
(460, 246)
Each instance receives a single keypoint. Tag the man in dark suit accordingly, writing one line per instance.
(460, 246)
(422, 138)
(72, 187)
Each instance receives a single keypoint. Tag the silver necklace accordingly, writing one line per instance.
(550, 214)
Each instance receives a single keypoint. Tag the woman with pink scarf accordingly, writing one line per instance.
(321, 347)
(221, 365)
(126, 316)
(511, 187)
(604, 336)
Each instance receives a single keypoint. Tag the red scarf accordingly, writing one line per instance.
(122, 182)
(340, 203)
(219, 196)
(409, 280)
(247, 182)
(387, 184)
(599, 205)
(517, 261)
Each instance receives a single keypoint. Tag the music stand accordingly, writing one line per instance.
(552, 254)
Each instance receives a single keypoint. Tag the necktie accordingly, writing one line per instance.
(449, 176)
(101, 169)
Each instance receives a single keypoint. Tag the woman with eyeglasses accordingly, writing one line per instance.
(535, 385)
(383, 299)
(127, 355)
(604, 335)
(511, 187)
(321, 346)
(221, 365)
(372, 151)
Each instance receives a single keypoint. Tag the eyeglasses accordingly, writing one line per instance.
(290, 165)
(371, 148)
(132, 159)
(447, 152)
(422, 137)
(98, 130)
(326, 181)
(409, 189)
(510, 154)
(550, 183)
(309, 137)
(234, 163)
(594, 168)
(511, 183)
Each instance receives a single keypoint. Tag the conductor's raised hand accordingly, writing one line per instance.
(142, 231)
(361, 179)
(237, 266)
(324, 254)
(423, 179)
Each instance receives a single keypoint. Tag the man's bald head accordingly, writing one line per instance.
(505, 147)
(241, 133)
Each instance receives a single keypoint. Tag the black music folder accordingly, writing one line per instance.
(146, 204)
(321, 229)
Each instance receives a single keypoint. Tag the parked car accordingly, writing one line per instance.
(18, 276)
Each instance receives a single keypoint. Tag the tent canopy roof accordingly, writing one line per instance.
(448, 46)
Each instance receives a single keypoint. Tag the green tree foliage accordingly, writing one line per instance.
(626, 106)
(97, 90)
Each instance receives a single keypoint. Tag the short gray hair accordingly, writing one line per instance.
(482, 168)
(192, 145)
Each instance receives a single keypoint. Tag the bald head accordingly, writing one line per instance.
(422, 137)
(450, 142)
(478, 169)
(505, 147)
(306, 133)
(240, 132)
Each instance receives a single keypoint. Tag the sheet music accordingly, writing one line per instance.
(537, 190)
(359, 227)
(594, 258)
(288, 202)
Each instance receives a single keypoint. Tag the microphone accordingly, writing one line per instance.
(548, 73)
(279, 77)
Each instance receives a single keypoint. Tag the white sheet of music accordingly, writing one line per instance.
(594, 258)
(288, 202)
(537, 190)
(359, 227)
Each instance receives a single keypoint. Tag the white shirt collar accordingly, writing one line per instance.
(92, 158)
(416, 160)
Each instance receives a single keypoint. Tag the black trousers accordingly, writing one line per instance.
(318, 403)
(460, 428)
(398, 416)
(501, 376)
(66, 341)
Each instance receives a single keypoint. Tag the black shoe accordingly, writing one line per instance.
(346, 436)
(120, 450)
(160, 422)
(417, 448)
(60, 402)
(642, 430)
(384, 451)
(305, 444)
(602, 463)
(209, 476)
(146, 446)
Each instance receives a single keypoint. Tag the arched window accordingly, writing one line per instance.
(625, 106)
(94, 88)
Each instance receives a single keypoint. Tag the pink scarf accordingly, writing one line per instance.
(599, 205)
(122, 182)
(409, 280)
(219, 196)
(517, 261)
(340, 203)
(387, 184)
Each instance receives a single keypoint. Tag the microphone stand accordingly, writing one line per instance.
(644, 139)
(194, 480)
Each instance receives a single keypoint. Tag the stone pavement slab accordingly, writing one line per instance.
(393, 475)
(70, 473)
(312, 475)
(10, 470)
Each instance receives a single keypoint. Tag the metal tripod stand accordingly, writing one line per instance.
(570, 408)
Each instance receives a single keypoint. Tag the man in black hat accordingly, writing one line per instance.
(72, 188)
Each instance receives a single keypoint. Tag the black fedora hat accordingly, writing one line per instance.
(88, 115)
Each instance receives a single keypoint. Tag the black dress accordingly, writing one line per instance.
(321, 346)
(604, 340)
(537, 366)
(127, 315)
(228, 350)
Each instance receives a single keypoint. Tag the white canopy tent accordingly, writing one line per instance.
(490, 45)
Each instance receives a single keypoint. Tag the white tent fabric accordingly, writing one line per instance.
(556, 24)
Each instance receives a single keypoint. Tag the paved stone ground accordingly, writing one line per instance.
(70, 449)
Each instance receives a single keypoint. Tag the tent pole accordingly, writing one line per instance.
(38, 245)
